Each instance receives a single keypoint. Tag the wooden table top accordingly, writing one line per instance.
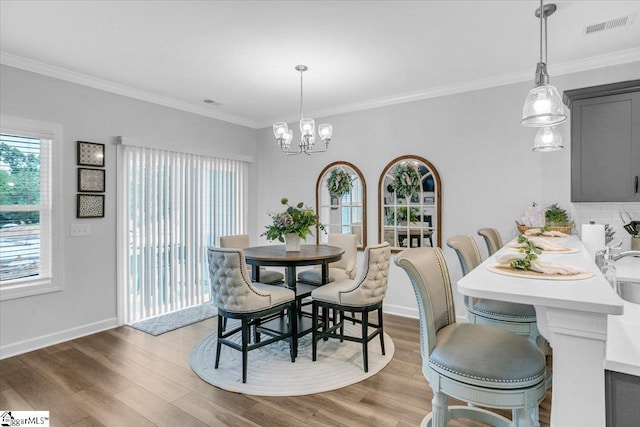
(307, 253)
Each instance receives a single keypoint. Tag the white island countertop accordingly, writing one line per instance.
(623, 332)
(592, 295)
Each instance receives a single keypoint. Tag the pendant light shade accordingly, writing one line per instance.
(543, 105)
(547, 139)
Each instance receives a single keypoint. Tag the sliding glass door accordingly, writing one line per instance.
(177, 204)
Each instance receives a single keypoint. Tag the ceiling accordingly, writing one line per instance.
(360, 54)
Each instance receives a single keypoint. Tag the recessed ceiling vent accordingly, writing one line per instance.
(607, 25)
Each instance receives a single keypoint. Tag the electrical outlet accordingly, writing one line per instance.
(80, 230)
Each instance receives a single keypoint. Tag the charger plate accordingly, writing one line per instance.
(508, 271)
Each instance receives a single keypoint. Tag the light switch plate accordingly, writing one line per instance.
(80, 230)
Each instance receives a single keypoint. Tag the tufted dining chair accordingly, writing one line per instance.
(492, 238)
(345, 268)
(518, 318)
(236, 297)
(241, 241)
(362, 295)
(478, 364)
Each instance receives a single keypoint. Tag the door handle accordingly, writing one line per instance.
(636, 184)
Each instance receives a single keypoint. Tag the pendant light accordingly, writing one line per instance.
(284, 135)
(543, 105)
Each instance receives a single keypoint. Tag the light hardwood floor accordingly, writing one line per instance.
(124, 377)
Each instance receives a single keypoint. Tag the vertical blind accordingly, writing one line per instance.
(177, 205)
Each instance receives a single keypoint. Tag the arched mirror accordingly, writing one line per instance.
(409, 204)
(341, 199)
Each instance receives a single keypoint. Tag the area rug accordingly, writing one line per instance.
(271, 373)
(174, 320)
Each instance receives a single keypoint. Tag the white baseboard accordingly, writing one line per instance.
(400, 310)
(55, 338)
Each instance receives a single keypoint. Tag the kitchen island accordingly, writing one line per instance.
(573, 316)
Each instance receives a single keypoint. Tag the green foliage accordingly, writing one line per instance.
(404, 214)
(531, 254)
(339, 182)
(19, 185)
(297, 219)
(556, 216)
(406, 179)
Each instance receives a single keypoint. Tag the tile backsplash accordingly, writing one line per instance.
(606, 213)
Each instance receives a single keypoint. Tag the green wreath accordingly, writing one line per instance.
(339, 183)
(406, 180)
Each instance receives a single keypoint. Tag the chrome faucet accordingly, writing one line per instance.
(614, 257)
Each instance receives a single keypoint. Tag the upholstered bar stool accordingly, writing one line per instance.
(345, 268)
(518, 318)
(492, 238)
(362, 295)
(483, 366)
(236, 297)
(241, 241)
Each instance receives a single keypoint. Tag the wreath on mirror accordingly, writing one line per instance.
(406, 179)
(339, 183)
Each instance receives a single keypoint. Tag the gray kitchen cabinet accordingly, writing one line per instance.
(605, 142)
(622, 394)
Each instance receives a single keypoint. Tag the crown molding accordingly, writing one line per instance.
(585, 64)
(107, 86)
(590, 63)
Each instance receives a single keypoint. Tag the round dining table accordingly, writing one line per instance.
(276, 255)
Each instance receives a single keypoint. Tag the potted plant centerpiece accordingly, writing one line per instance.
(293, 224)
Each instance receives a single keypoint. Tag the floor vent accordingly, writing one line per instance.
(607, 25)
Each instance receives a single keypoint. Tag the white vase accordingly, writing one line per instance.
(292, 242)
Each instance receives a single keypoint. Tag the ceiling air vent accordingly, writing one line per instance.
(607, 25)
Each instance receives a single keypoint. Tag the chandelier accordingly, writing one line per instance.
(284, 135)
(543, 106)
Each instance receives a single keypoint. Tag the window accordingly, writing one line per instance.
(29, 213)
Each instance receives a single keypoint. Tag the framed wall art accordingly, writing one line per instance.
(90, 154)
(91, 180)
(90, 206)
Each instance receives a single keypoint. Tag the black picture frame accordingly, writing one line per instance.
(90, 154)
(91, 180)
(90, 206)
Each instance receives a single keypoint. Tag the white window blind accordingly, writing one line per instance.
(177, 205)
(29, 180)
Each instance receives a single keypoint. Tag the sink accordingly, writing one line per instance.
(629, 291)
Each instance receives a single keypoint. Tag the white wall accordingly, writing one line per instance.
(475, 140)
(488, 172)
(88, 301)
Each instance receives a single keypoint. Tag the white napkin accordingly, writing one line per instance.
(549, 233)
(507, 255)
(544, 267)
(540, 243)
(548, 267)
